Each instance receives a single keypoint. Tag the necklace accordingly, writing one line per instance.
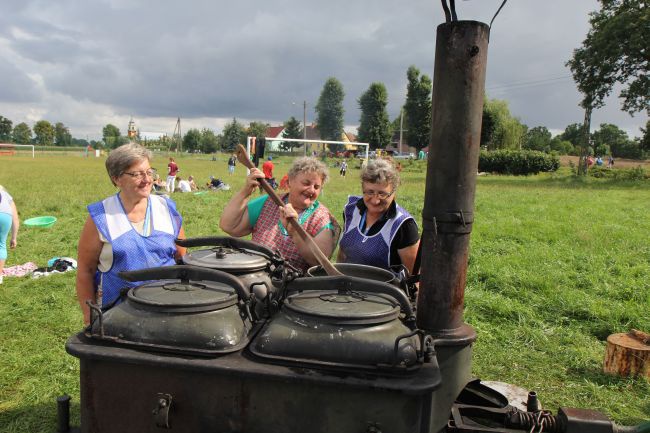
(302, 217)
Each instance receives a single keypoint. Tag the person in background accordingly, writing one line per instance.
(172, 169)
(344, 168)
(269, 224)
(232, 161)
(193, 186)
(127, 231)
(267, 168)
(377, 231)
(158, 184)
(183, 185)
(8, 222)
(610, 161)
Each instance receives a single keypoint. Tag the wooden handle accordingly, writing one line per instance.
(322, 259)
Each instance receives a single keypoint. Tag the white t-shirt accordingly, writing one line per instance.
(184, 186)
(5, 203)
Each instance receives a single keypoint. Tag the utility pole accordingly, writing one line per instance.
(304, 125)
(401, 128)
(177, 135)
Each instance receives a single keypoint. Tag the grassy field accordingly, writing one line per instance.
(556, 265)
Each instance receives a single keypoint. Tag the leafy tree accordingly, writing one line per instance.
(257, 129)
(79, 142)
(644, 143)
(562, 147)
(507, 131)
(418, 108)
(22, 133)
(488, 125)
(329, 110)
(234, 133)
(111, 135)
(617, 140)
(62, 135)
(192, 140)
(614, 52)
(44, 133)
(5, 129)
(538, 138)
(573, 134)
(292, 129)
(209, 141)
(374, 127)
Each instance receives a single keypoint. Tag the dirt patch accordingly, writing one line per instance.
(618, 162)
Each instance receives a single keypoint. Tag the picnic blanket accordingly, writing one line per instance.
(19, 270)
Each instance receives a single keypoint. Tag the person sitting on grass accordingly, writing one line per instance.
(183, 185)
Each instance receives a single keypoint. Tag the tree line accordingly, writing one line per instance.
(43, 133)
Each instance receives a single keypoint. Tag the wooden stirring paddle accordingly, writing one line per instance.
(243, 158)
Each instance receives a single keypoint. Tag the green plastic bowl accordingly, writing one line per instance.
(42, 221)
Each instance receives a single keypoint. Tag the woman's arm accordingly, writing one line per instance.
(15, 224)
(88, 251)
(234, 218)
(340, 257)
(407, 255)
(180, 251)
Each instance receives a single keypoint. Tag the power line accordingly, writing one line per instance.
(532, 83)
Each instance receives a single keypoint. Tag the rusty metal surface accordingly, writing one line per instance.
(124, 390)
(448, 213)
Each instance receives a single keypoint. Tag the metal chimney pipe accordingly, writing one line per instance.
(448, 213)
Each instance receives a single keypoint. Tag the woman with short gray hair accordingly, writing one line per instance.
(377, 231)
(268, 223)
(127, 231)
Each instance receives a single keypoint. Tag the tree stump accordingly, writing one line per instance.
(626, 355)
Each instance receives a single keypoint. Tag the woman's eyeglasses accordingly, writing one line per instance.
(140, 174)
(381, 195)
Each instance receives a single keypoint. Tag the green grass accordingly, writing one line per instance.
(556, 264)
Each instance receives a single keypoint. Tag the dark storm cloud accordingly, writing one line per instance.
(252, 60)
(16, 86)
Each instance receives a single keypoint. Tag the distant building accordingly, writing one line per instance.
(131, 132)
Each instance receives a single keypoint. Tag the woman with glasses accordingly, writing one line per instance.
(127, 231)
(377, 231)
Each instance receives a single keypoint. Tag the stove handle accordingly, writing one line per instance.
(186, 273)
(355, 284)
(226, 241)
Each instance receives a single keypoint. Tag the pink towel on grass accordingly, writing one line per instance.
(19, 270)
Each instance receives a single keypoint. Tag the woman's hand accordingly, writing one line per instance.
(13, 243)
(288, 212)
(251, 180)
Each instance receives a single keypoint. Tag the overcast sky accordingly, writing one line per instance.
(87, 63)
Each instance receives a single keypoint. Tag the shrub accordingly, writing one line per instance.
(517, 162)
(637, 173)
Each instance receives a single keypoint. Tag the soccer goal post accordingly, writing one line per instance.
(11, 146)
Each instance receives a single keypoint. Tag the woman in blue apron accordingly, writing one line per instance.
(377, 231)
(127, 231)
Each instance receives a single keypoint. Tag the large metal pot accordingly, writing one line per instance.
(344, 322)
(260, 269)
(185, 310)
(357, 270)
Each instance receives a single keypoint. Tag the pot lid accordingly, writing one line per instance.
(344, 306)
(227, 259)
(183, 296)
